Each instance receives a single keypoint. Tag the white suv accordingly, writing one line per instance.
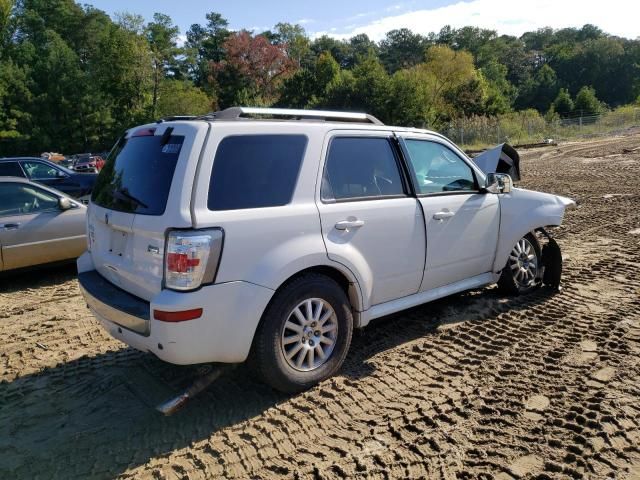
(232, 236)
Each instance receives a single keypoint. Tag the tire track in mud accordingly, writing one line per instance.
(474, 386)
(432, 368)
(569, 335)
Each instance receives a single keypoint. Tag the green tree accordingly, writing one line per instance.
(131, 22)
(162, 35)
(123, 74)
(365, 88)
(295, 41)
(359, 48)
(448, 71)
(338, 49)
(540, 90)
(14, 97)
(401, 49)
(205, 44)
(308, 88)
(180, 97)
(587, 103)
(563, 104)
(500, 93)
(6, 8)
(412, 98)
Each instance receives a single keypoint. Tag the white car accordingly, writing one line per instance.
(234, 237)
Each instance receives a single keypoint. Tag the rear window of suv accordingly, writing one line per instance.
(255, 171)
(137, 174)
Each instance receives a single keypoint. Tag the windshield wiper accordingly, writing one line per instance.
(124, 194)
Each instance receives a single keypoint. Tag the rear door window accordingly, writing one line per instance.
(137, 175)
(255, 171)
(10, 169)
(360, 168)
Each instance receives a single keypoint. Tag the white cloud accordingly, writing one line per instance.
(512, 17)
(304, 21)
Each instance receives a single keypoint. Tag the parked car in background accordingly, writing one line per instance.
(74, 184)
(225, 238)
(53, 157)
(66, 163)
(88, 163)
(38, 225)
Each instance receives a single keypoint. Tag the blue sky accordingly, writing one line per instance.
(262, 15)
(344, 18)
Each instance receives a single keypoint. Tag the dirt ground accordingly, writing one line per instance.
(473, 386)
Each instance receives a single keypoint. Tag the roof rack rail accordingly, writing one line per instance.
(174, 118)
(236, 113)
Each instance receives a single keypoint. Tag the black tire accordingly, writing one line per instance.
(267, 356)
(508, 285)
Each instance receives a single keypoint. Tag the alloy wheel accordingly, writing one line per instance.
(309, 334)
(523, 263)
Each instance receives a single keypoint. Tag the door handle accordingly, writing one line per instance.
(443, 215)
(347, 224)
(10, 226)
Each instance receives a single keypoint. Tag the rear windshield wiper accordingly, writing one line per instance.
(123, 194)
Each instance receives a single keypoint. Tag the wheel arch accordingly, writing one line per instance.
(343, 277)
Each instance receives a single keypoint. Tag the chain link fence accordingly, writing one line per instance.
(529, 127)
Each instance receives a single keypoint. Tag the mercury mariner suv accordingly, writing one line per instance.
(268, 235)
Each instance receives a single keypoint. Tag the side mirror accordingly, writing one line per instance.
(64, 204)
(498, 183)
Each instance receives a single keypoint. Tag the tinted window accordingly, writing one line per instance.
(10, 169)
(254, 171)
(19, 199)
(360, 168)
(137, 175)
(437, 169)
(41, 171)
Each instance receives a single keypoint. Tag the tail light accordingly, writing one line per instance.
(192, 258)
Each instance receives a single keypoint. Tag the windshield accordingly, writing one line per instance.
(137, 174)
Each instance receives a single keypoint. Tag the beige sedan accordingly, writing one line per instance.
(38, 225)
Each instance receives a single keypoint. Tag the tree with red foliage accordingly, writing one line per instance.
(252, 70)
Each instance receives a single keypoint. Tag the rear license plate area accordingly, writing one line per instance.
(118, 243)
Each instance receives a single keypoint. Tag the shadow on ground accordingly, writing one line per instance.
(37, 277)
(95, 416)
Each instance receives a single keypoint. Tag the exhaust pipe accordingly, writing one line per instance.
(172, 405)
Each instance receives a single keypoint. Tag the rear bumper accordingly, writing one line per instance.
(224, 333)
(108, 301)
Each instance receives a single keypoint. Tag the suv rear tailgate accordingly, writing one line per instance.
(143, 190)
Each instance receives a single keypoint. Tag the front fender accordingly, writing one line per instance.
(522, 211)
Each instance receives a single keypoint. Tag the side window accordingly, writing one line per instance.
(19, 199)
(40, 171)
(255, 171)
(438, 169)
(10, 169)
(360, 167)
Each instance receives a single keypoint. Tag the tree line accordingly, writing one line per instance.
(73, 79)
